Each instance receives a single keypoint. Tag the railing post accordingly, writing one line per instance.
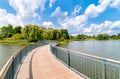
(104, 69)
(68, 59)
(56, 52)
(13, 67)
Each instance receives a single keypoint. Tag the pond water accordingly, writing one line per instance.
(6, 51)
(107, 49)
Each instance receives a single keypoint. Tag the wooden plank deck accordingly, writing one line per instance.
(44, 66)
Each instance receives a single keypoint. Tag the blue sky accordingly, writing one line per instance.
(90, 17)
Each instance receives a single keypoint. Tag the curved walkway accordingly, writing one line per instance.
(41, 64)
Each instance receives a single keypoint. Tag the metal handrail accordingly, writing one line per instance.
(6, 66)
(10, 69)
(88, 55)
(94, 67)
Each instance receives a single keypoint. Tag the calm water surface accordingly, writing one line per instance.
(6, 51)
(107, 49)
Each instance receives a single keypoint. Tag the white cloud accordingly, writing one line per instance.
(48, 24)
(76, 10)
(8, 18)
(115, 4)
(51, 3)
(115, 25)
(27, 6)
(73, 23)
(105, 27)
(78, 23)
(94, 11)
(25, 12)
(59, 13)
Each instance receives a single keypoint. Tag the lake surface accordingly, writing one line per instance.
(107, 49)
(6, 51)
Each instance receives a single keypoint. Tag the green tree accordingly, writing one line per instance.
(1, 35)
(32, 32)
(102, 37)
(64, 34)
(3, 32)
(45, 35)
(9, 30)
(82, 37)
(51, 33)
(118, 35)
(114, 37)
(17, 29)
(57, 34)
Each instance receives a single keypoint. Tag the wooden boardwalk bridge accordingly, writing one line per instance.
(40, 61)
(41, 64)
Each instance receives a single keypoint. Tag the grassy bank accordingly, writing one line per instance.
(62, 42)
(11, 40)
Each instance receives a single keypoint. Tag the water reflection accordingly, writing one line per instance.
(7, 50)
(107, 49)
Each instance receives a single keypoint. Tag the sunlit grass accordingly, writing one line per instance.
(11, 40)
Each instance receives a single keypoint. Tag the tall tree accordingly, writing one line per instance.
(32, 32)
(45, 35)
(102, 37)
(9, 30)
(17, 29)
(64, 34)
(1, 36)
(4, 32)
(50, 33)
(82, 37)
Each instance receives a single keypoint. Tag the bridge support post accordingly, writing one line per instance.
(104, 69)
(68, 59)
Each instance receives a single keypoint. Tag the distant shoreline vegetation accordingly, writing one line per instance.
(33, 33)
(97, 37)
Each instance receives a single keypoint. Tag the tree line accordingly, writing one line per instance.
(33, 33)
(97, 37)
